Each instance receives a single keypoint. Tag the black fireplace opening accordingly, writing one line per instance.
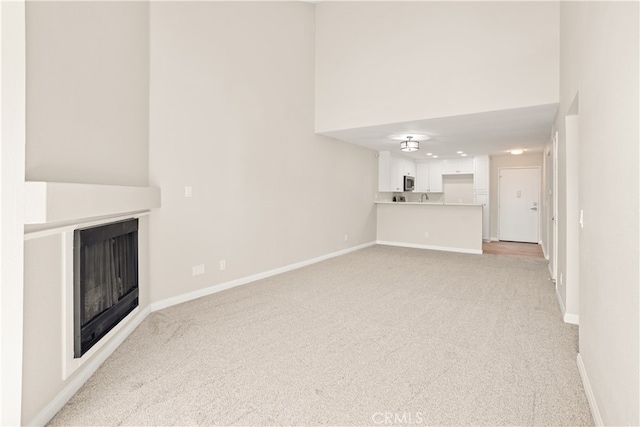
(105, 280)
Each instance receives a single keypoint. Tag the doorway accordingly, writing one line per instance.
(518, 204)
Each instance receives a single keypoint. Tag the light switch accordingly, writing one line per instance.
(188, 192)
(519, 195)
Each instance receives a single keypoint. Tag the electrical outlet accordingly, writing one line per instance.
(426, 234)
(188, 191)
(197, 270)
(223, 264)
(346, 237)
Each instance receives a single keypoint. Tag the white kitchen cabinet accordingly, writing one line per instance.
(463, 165)
(481, 173)
(429, 177)
(435, 176)
(384, 171)
(391, 171)
(483, 199)
(481, 191)
(422, 178)
(397, 176)
(405, 166)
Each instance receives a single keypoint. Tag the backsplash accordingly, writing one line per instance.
(410, 197)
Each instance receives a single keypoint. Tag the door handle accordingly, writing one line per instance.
(534, 208)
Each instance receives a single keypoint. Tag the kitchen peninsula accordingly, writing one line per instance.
(454, 227)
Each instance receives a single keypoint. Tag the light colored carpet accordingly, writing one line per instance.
(419, 337)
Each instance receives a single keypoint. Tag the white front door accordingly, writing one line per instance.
(519, 204)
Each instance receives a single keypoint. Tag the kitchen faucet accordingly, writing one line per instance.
(424, 194)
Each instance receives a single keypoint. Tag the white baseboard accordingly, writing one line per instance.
(573, 319)
(435, 248)
(495, 239)
(544, 250)
(87, 370)
(560, 302)
(179, 299)
(593, 405)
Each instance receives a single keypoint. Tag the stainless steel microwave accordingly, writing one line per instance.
(409, 183)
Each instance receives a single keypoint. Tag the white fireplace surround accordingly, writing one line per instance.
(57, 208)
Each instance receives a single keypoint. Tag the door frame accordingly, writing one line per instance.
(539, 186)
(554, 218)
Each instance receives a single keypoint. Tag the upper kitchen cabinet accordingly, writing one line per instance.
(384, 171)
(429, 177)
(481, 173)
(404, 166)
(391, 171)
(463, 165)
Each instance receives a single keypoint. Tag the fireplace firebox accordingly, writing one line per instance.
(105, 279)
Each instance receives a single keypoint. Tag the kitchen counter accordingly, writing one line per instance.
(426, 203)
(454, 227)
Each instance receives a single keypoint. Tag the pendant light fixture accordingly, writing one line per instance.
(409, 145)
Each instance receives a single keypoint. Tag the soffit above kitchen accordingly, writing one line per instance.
(492, 133)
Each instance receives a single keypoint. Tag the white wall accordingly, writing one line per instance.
(458, 188)
(88, 92)
(599, 61)
(87, 122)
(12, 135)
(387, 62)
(232, 111)
(448, 227)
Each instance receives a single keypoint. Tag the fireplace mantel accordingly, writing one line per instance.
(49, 203)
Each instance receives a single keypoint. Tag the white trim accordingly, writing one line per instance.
(554, 225)
(49, 411)
(593, 405)
(573, 319)
(560, 302)
(179, 299)
(435, 248)
(544, 250)
(495, 239)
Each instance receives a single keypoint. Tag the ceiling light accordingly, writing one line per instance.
(516, 152)
(435, 157)
(463, 155)
(409, 145)
(460, 152)
(429, 154)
